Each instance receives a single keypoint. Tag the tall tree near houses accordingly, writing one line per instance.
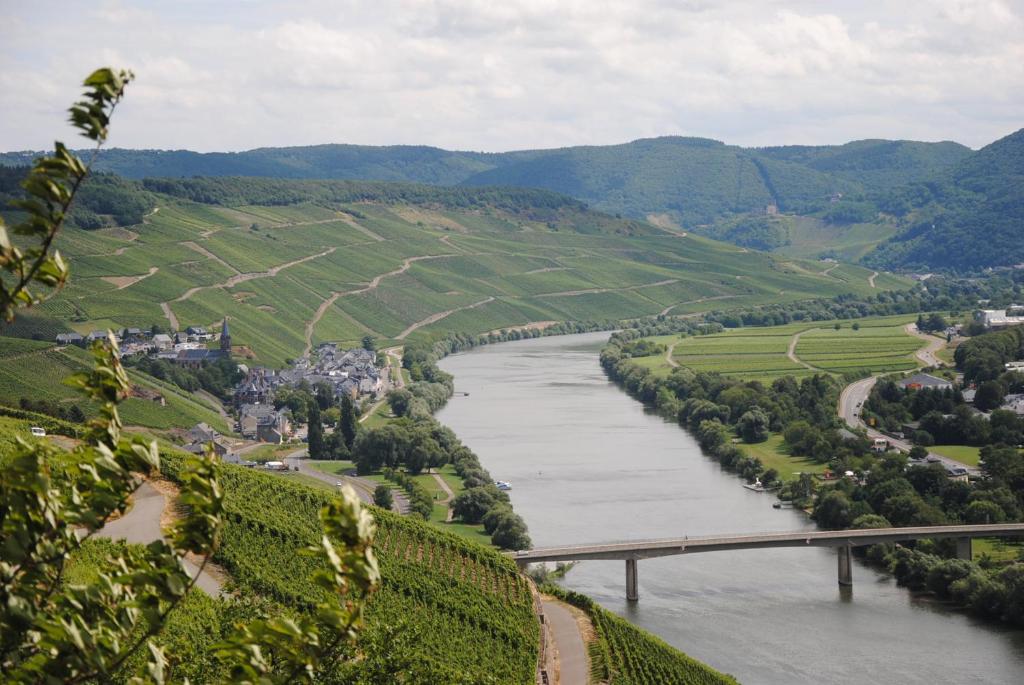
(315, 432)
(348, 425)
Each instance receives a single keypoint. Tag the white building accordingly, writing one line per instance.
(999, 318)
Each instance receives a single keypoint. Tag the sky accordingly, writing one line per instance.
(500, 75)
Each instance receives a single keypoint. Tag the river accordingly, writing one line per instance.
(589, 464)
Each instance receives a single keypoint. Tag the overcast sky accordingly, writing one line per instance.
(511, 74)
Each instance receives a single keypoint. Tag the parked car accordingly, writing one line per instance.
(37, 431)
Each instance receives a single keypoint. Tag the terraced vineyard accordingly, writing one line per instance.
(880, 345)
(397, 270)
(36, 370)
(622, 654)
(458, 609)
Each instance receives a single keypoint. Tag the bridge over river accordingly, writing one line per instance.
(843, 540)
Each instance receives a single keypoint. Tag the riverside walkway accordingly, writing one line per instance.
(843, 540)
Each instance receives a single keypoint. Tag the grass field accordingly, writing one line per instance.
(964, 454)
(881, 345)
(774, 455)
(997, 549)
(397, 271)
(810, 237)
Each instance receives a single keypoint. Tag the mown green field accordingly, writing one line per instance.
(881, 345)
(398, 271)
(965, 454)
(774, 454)
(37, 370)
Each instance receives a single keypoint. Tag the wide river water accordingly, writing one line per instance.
(589, 464)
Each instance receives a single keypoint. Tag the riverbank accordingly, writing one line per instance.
(596, 466)
(715, 409)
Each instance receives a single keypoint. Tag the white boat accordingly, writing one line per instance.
(756, 486)
(503, 485)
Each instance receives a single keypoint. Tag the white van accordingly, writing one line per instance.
(37, 432)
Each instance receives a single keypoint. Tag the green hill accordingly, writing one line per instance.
(294, 263)
(691, 180)
(973, 218)
(874, 164)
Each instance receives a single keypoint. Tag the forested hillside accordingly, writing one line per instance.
(874, 164)
(295, 263)
(691, 180)
(973, 218)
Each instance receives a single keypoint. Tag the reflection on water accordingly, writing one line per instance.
(589, 464)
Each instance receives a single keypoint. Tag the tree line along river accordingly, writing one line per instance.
(588, 464)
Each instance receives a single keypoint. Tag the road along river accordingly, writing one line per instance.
(588, 464)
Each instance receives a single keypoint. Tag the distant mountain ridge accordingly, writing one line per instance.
(692, 180)
(902, 205)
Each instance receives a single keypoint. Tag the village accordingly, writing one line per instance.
(352, 373)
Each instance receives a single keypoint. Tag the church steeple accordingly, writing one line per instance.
(225, 338)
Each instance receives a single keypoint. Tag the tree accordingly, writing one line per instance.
(53, 502)
(989, 396)
(369, 344)
(936, 322)
(495, 517)
(870, 521)
(856, 326)
(927, 480)
(472, 504)
(984, 511)
(923, 438)
(315, 432)
(382, 497)
(753, 425)
(400, 399)
(834, 511)
(347, 425)
(511, 534)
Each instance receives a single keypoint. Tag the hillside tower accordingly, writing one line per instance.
(225, 338)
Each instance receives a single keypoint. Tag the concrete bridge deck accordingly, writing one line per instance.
(844, 540)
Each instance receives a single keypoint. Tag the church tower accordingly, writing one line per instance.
(225, 338)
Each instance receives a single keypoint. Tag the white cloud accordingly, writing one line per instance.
(520, 73)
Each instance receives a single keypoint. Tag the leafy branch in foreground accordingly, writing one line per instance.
(51, 186)
(53, 501)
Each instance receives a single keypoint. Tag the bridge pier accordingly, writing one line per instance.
(845, 556)
(963, 548)
(632, 591)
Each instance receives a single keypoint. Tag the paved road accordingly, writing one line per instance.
(927, 354)
(141, 525)
(573, 665)
(850, 403)
(363, 487)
